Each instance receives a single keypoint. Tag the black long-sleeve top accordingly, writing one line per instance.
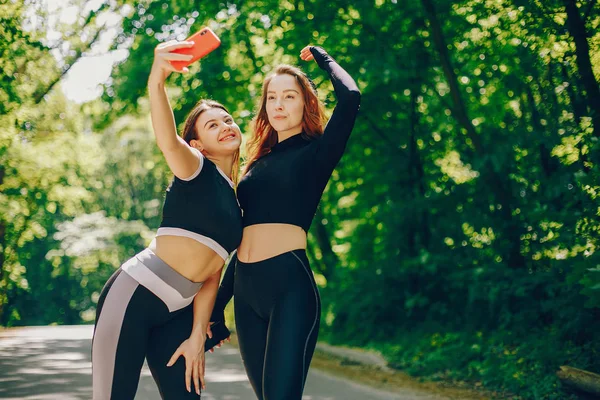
(285, 185)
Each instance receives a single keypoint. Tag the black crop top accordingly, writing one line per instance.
(285, 185)
(204, 208)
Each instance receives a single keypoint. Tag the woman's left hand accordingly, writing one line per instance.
(210, 335)
(305, 54)
(192, 349)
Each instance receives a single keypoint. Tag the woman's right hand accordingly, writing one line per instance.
(192, 349)
(163, 53)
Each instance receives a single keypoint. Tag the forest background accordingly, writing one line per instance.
(459, 233)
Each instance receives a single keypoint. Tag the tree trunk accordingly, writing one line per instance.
(419, 229)
(500, 185)
(579, 379)
(576, 104)
(91, 18)
(576, 28)
(548, 163)
(459, 109)
(413, 161)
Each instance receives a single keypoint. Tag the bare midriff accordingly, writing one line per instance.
(192, 259)
(263, 241)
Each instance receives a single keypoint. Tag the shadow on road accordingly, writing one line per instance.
(36, 367)
(43, 363)
(54, 363)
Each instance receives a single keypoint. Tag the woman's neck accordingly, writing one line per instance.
(283, 135)
(225, 163)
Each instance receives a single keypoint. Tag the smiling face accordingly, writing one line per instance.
(218, 134)
(288, 105)
(285, 105)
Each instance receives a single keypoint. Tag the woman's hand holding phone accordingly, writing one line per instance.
(204, 41)
(175, 56)
(163, 55)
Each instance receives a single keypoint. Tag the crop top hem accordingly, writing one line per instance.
(205, 240)
(276, 222)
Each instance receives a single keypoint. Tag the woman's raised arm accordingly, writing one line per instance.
(182, 159)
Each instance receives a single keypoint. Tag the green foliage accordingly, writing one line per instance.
(500, 360)
(458, 234)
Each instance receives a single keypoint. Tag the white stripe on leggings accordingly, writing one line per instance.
(106, 335)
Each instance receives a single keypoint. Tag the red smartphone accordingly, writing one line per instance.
(204, 40)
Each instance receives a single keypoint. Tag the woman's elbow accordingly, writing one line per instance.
(352, 99)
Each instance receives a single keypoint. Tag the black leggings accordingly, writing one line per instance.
(133, 323)
(277, 316)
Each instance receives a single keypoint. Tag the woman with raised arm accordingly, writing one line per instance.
(289, 162)
(157, 304)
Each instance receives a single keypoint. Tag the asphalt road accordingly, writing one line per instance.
(53, 362)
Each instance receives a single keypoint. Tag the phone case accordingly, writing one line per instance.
(204, 40)
(220, 332)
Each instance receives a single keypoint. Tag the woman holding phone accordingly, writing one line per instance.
(157, 304)
(289, 162)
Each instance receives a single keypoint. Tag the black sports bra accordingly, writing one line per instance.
(204, 207)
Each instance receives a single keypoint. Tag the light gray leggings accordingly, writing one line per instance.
(145, 310)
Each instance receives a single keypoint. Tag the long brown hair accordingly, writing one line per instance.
(190, 133)
(264, 136)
